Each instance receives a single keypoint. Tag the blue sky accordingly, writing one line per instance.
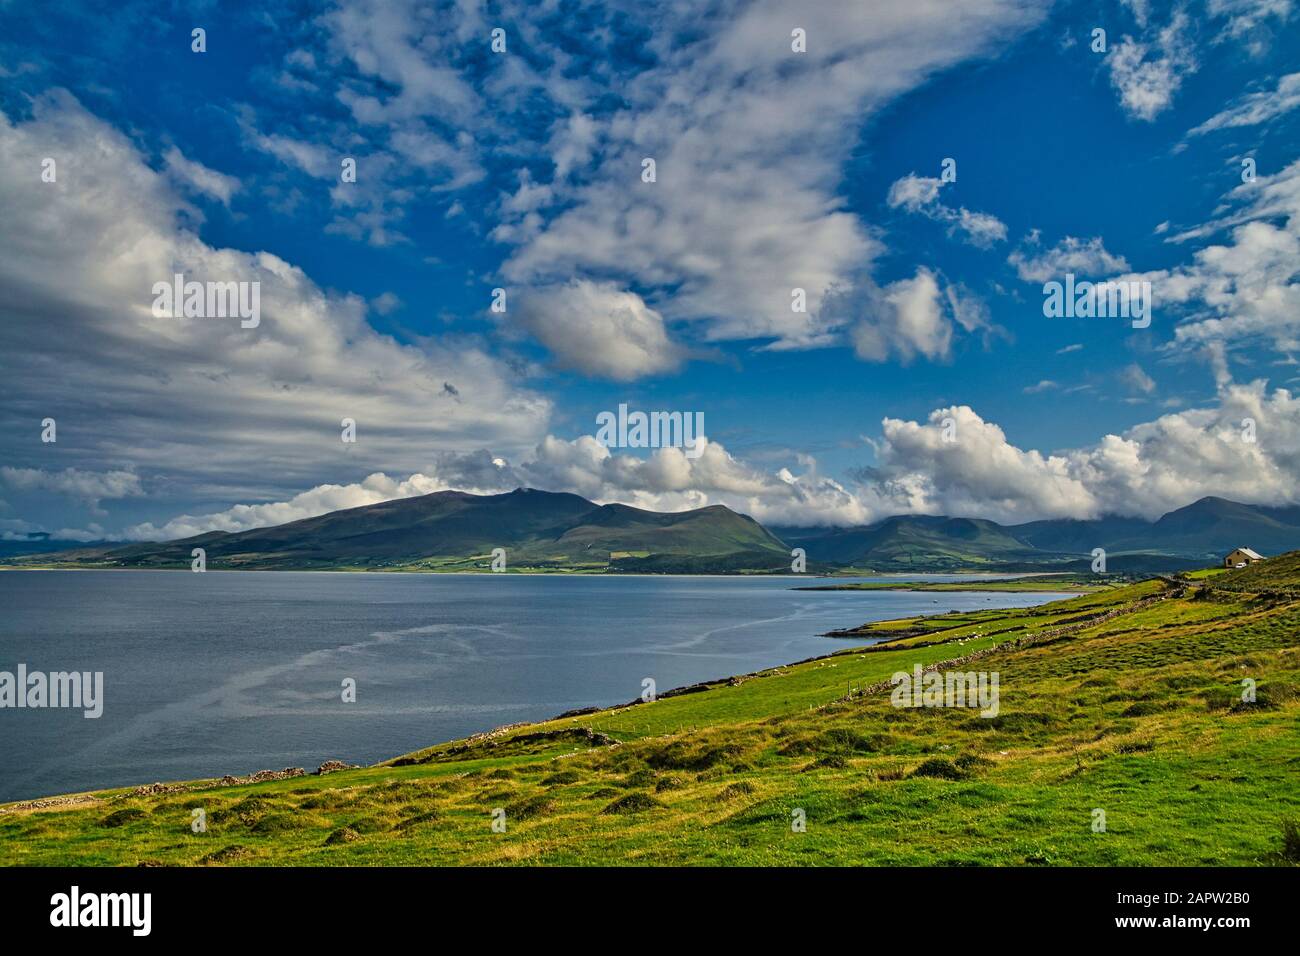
(521, 170)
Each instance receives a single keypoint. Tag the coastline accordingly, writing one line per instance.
(708, 773)
(881, 643)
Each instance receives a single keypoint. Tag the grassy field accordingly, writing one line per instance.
(1126, 701)
(1076, 583)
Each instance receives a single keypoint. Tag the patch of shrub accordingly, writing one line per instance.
(1290, 841)
(1135, 747)
(277, 823)
(635, 802)
(829, 762)
(679, 755)
(228, 854)
(972, 762)
(640, 778)
(940, 768)
(327, 800)
(563, 777)
(850, 740)
(247, 811)
(419, 819)
(120, 818)
(741, 788)
(342, 835)
(530, 807)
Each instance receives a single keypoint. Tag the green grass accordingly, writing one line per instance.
(1126, 700)
(1063, 582)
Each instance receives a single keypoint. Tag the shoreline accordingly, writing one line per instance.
(78, 798)
(903, 576)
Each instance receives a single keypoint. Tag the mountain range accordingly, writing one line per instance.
(541, 530)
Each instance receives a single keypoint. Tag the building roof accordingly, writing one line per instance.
(1250, 554)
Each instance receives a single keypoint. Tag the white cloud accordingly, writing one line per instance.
(1246, 16)
(749, 143)
(1136, 379)
(1246, 288)
(1084, 258)
(1148, 470)
(1148, 74)
(920, 194)
(87, 486)
(914, 193)
(598, 329)
(749, 139)
(200, 178)
(905, 319)
(206, 405)
(320, 500)
(1256, 108)
(386, 303)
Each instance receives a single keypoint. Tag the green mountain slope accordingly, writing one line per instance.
(915, 542)
(451, 529)
(1193, 536)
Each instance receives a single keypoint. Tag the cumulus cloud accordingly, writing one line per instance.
(87, 486)
(748, 143)
(598, 329)
(1148, 470)
(667, 480)
(954, 462)
(1246, 288)
(1136, 379)
(200, 178)
(905, 319)
(211, 406)
(320, 500)
(1147, 74)
(920, 194)
(1084, 258)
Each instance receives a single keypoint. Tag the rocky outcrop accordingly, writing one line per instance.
(50, 803)
(262, 776)
(153, 789)
(330, 766)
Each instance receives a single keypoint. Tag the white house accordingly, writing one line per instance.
(1241, 557)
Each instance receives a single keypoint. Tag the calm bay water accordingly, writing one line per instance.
(232, 672)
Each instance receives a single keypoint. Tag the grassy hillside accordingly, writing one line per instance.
(455, 531)
(1077, 583)
(1183, 539)
(545, 531)
(914, 542)
(1126, 700)
(1278, 577)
